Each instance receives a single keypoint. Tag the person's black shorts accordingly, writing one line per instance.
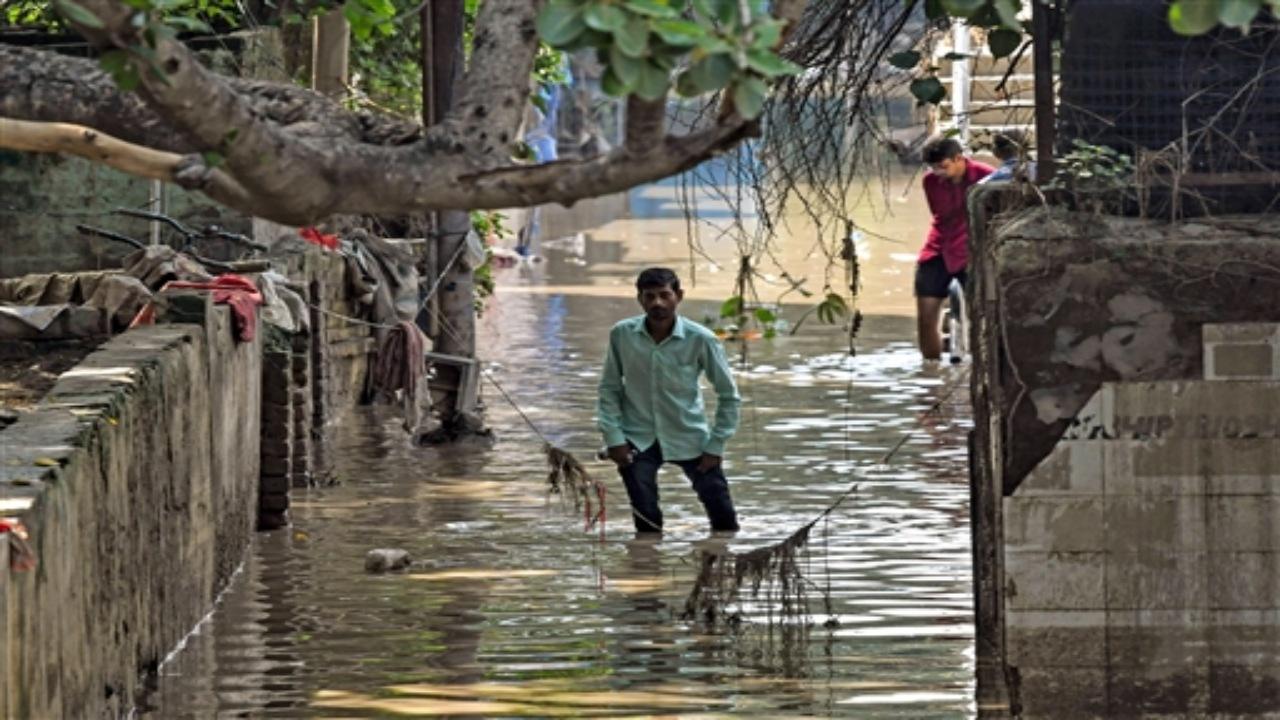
(933, 280)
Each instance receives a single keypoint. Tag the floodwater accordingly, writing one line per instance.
(511, 609)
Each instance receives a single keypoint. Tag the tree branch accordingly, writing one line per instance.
(293, 157)
(645, 123)
(43, 86)
(126, 157)
(567, 181)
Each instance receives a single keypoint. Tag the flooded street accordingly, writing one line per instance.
(511, 610)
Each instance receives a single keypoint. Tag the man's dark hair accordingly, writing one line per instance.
(657, 277)
(943, 148)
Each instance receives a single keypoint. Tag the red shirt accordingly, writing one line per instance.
(949, 233)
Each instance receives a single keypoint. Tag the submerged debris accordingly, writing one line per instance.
(386, 560)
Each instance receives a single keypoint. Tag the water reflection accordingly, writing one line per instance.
(512, 611)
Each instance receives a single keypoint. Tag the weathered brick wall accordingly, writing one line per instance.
(137, 476)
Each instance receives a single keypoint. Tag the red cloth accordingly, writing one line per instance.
(21, 555)
(315, 237)
(949, 233)
(238, 293)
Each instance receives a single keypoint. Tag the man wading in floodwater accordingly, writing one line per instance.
(650, 409)
(945, 255)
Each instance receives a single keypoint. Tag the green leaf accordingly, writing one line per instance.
(765, 315)
(1008, 11)
(907, 59)
(767, 63)
(706, 9)
(1238, 13)
(611, 85)
(711, 73)
(189, 24)
(627, 69)
(654, 82)
(768, 33)
(113, 61)
(749, 95)
(1003, 42)
(680, 33)
(731, 307)
(78, 14)
(212, 159)
(559, 24)
(928, 90)
(606, 18)
(727, 12)
(963, 8)
(934, 10)
(633, 37)
(652, 8)
(588, 39)
(128, 78)
(1193, 17)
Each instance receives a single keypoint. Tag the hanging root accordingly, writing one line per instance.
(773, 575)
(571, 481)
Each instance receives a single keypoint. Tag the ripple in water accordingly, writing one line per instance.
(512, 611)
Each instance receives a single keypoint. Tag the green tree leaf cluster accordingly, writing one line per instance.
(649, 46)
(1196, 17)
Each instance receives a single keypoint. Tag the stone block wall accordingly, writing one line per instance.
(1142, 557)
(137, 477)
(1124, 465)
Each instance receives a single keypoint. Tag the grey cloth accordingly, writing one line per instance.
(382, 277)
(70, 304)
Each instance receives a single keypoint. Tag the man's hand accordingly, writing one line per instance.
(620, 455)
(707, 462)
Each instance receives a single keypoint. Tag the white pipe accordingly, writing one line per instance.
(960, 78)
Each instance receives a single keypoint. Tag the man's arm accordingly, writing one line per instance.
(609, 401)
(716, 366)
(930, 184)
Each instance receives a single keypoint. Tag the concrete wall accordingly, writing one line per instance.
(1124, 460)
(137, 478)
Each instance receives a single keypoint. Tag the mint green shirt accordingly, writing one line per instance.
(649, 391)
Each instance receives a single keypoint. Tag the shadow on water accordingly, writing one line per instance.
(511, 610)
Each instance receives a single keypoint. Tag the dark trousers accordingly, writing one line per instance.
(641, 479)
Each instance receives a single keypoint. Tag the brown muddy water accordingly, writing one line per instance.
(512, 610)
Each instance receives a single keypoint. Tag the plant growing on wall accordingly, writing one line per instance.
(1098, 178)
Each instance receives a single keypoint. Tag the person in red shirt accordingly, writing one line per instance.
(945, 256)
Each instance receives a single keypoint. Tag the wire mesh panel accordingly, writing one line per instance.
(1204, 111)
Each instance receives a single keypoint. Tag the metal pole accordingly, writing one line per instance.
(1046, 112)
(960, 79)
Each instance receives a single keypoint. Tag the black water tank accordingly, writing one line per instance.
(1128, 81)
